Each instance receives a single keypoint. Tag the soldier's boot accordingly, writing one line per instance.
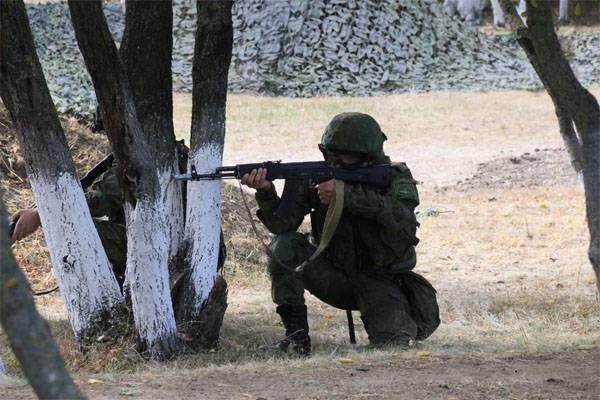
(295, 321)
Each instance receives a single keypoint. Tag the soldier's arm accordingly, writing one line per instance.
(389, 209)
(268, 202)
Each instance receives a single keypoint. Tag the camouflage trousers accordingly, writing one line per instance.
(114, 240)
(394, 309)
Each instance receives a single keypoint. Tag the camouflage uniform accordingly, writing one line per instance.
(367, 265)
(106, 206)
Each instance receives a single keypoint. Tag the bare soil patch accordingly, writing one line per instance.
(542, 167)
(555, 376)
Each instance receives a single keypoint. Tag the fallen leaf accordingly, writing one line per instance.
(328, 314)
(396, 354)
(95, 381)
(591, 280)
(423, 354)
(345, 360)
(586, 347)
(452, 398)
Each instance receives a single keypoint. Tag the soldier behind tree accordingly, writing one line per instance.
(368, 263)
(105, 202)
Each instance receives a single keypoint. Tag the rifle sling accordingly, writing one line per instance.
(332, 219)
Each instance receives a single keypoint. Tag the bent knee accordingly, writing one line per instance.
(289, 248)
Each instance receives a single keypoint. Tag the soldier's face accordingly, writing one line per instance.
(345, 160)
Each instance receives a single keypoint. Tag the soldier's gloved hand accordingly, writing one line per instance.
(257, 179)
(27, 222)
(326, 190)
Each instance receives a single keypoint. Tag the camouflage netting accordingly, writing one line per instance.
(318, 47)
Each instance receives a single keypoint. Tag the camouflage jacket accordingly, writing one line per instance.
(377, 230)
(104, 197)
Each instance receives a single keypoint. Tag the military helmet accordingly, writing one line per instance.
(354, 132)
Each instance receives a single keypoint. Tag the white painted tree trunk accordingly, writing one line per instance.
(80, 263)
(450, 6)
(203, 223)
(521, 9)
(498, 14)
(148, 276)
(469, 10)
(171, 196)
(563, 12)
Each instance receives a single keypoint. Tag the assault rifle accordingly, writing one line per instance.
(298, 173)
(313, 171)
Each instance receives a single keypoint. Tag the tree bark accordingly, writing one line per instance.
(498, 14)
(576, 108)
(84, 274)
(28, 334)
(140, 175)
(563, 12)
(146, 52)
(212, 56)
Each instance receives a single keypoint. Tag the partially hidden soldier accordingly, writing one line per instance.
(106, 207)
(105, 202)
(368, 263)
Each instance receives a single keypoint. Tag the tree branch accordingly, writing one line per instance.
(549, 66)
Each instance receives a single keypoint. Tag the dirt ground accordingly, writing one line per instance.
(563, 376)
(504, 241)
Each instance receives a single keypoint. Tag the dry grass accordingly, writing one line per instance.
(510, 265)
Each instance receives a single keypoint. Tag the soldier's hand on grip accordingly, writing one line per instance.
(257, 179)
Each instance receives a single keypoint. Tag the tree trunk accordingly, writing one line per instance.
(146, 52)
(212, 56)
(140, 176)
(28, 334)
(576, 108)
(563, 12)
(84, 274)
(498, 14)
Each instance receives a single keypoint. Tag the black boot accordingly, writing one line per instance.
(295, 321)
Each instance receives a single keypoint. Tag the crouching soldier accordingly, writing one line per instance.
(367, 265)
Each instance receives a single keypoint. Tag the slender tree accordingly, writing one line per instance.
(146, 52)
(576, 108)
(212, 56)
(28, 333)
(145, 171)
(89, 288)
